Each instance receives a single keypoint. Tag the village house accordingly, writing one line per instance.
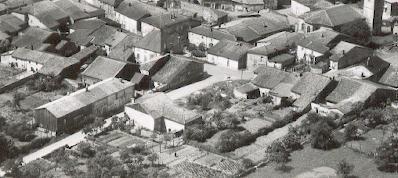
(80, 32)
(247, 91)
(208, 36)
(248, 5)
(300, 7)
(268, 78)
(343, 98)
(78, 10)
(333, 17)
(209, 15)
(86, 55)
(15, 4)
(251, 30)
(177, 72)
(12, 25)
(281, 94)
(149, 47)
(229, 54)
(106, 37)
(34, 38)
(129, 14)
(157, 112)
(124, 50)
(347, 54)
(46, 15)
(68, 113)
(108, 6)
(103, 68)
(150, 68)
(311, 87)
(173, 29)
(41, 62)
(218, 4)
(317, 44)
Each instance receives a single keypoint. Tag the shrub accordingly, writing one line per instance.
(202, 47)
(321, 136)
(199, 132)
(21, 131)
(232, 140)
(198, 53)
(86, 150)
(191, 47)
(373, 117)
(387, 157)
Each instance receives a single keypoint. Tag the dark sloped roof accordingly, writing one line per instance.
(322, 40)
(81, 37)
(33, 36)
(269, 77)
(173, 68)
(283, 59)
(344, 90)
(250, 2)
(48, 13)
(102, 34)
(213, 33)
(137, 78)
(113, 3)
(103, 68)
(152, 41)
(85, 52)
(230, 49)
(353, 56)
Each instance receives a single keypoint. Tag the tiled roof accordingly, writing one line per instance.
(33, 36)
(88, 24)
(113, 3)
(268, 49)
(283, 59)
(133, 10)
(52, 64)
(250, 2)
(85, 52)
(172, 69)
(11, 24)
(246, 88)
(160, 105)
(269, 78)
(152, 41)
(103, 68)
(311, 83)
(390, 77)
(72, 9)
(344, 90)
(47, 12)
(230, 49)
(213, 33)
(82, 98)
(333, 16)
(125, 49)
(322, 40)
(101, 35)
(137, 78)
(165, 20)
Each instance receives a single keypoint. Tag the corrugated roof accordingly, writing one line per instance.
(82, 98)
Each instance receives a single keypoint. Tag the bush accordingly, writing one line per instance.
(86, 150)
(373, 117)
(321, 136)
(199, 132)
(191, 47)
(387, 157)
(198, 53)
(202, 47)
(231, 140)
(21, 131)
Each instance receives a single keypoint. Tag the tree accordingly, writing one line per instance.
(277, 153)
(161, 3)
(358, 29)
(4, 45)
(373, 117)
(292, 141)
(344, 168)
(321, 136)
(387, 155)
(350, 132)
(16, 100)
(196, 2)
(7, 148)
(104, 165)
(86, 150)
(152, 158)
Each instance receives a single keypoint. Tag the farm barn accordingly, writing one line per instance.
(67, 113)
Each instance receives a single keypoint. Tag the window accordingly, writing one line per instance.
(308, 29)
